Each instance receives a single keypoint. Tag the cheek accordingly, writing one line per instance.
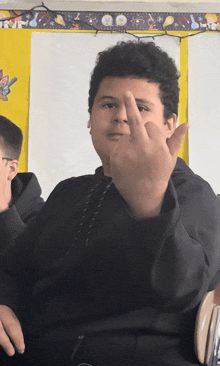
(95, 129)
(95, 120)
(96, 133)
(98, 125)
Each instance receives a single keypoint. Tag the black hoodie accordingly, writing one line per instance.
(108, 289)
(25, 204)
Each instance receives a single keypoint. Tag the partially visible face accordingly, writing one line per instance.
(3, 150)
(2, 153)
(4, 163)
(10, 165)
(108, 117)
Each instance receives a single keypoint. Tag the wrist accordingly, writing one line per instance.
(146, 204)
(147, 208)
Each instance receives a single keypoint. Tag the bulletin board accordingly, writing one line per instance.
(35, 60)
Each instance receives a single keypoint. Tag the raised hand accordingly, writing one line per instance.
(11, 335)
(142, 162)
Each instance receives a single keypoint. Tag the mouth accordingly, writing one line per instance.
(115, 136)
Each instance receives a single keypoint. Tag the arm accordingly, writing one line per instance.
(10, 220)
(175, 256)
(19, 271)
(19, 268)
(25, 204)
(176, 249)
(187, 264)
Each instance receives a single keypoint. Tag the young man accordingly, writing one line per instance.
(116, 264)
(19, 192)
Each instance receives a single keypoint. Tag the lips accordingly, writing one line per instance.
(115, 136)
(115, 133)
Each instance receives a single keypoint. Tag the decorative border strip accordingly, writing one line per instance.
(109, 21)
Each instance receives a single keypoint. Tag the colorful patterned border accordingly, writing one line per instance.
(109, 21)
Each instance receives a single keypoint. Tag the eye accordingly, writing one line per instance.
(108, 105)
(142, 109)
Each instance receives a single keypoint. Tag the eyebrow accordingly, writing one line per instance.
(138, 100)
(105, 97)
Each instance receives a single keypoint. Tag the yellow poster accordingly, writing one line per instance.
(14, 81)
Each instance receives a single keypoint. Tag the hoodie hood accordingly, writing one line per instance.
(26, 193)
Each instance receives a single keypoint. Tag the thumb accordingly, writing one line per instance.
(176, 139)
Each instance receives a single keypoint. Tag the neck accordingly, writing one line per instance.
(106, 167)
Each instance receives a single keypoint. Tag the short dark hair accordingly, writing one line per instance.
(11, 138)
(141, 60)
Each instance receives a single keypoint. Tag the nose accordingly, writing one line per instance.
(120, 115)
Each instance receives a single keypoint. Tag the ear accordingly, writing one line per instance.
(171, 125)
(13, 169)
(89, 126)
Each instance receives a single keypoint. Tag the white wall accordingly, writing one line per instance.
(204, 107)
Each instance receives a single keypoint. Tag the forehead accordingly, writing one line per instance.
(116, 86)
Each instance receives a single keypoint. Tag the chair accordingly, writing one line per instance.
(207, 330)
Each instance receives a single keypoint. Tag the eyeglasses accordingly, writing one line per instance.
(8, 159)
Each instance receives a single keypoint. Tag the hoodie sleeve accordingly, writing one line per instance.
(18, 263)
(26, 203)
(11, 222)
(177, 254)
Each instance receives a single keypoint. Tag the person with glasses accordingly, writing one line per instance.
(20, 193)
(113, 269)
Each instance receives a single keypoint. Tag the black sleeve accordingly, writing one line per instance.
(176, 256)
(19, 267)
(12, 223)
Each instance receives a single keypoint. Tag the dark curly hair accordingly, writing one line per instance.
(141, 60)
(11, 138)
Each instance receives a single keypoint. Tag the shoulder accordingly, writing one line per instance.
(186, 181)
(196, 198)
(29, 182)
(72, 184)
(72, 189)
